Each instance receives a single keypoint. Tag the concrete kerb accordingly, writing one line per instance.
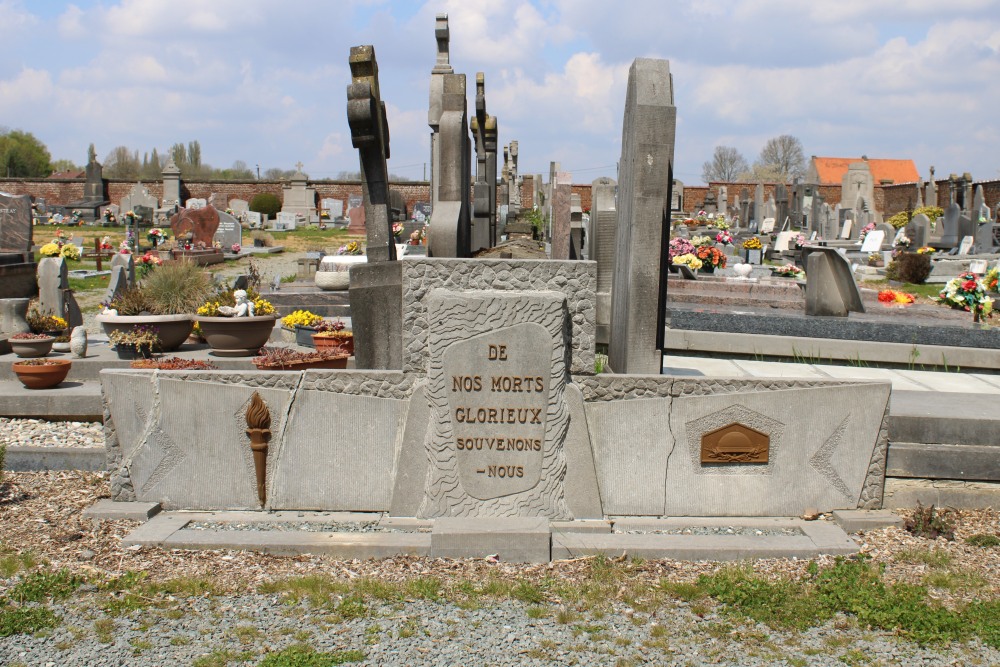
(511, 540)
(853, 521)
(21, 458)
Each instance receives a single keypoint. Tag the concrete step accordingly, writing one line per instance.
(510, 539)
(936, 461)
(69, 401)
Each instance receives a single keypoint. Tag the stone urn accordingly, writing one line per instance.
(41, 373)
(236, 336)
(172, 330)
(334, 271)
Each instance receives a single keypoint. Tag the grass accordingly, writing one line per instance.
(222, 657)
(26, 620)
(302, 655)
(983, 540)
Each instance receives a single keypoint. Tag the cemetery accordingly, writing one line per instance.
(500, 369)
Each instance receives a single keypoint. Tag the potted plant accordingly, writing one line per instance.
(711, 258)
(41, 373)
(752, 250)
(330, 335)
(303, 323)
(28, 345)
(677, 248)
(236, 323)
(134, 342)
(285, 359)
(50, 325)
(166, 298)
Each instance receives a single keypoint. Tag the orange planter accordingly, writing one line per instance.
(344, 341)
(42, 376)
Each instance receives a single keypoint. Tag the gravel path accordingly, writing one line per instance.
(245, 628)
(38, 433)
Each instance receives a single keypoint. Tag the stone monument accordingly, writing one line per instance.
(442, 66)
(297, 197)
(484, 194)
(450, 232)
(601, 243)
(638, 295)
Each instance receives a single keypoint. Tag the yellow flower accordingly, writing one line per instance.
(301, 318)
(49, 250)
(70, 251)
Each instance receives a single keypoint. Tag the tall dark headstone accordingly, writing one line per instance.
(781, 209)
(638, 295)
(442, 66)
(376, 286)
(17, 262)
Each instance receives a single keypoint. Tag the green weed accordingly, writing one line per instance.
(222, 657)
(983, 540)
(300, 655)
(43, 586)
(26, 620)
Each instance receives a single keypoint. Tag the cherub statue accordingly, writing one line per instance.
(244, 306)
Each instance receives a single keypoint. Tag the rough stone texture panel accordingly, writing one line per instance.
(576, 280)
(872, 493)
(381, 384)
(611, 387)
(288, 380)
(458, 317)
(128, 406)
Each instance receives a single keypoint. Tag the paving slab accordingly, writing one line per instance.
(899, 382)
(700, 366)
(777, 369)
(853, 521)
(68, 401)
(105, 508)
(347, 546)
(940, 381)
(512, 540)
(581, 526)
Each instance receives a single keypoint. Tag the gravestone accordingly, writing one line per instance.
(171, 184)
(710, 203)
(873, 241)
(54, 295)
(949, 228)
(784, 240)
(15, 223)
(830, 286)
(375, 285)
(285, 221)
(254, 219)
(985, 235)
(638, 298)
(229, 231)
(297, 197)
(239, 207)
(576, 230)
(450, 233)
(601, 242)
(220, 200)
(845, 232)
(966, 245)
(195, 203)
(856, 183)
(560, 217)
(758, 206)
(484, 132)
(917, 230)
(782, 212)
(421, 211)
(724, 200)
(334, 207)
(744, 204)
(138, 196)
(200, 223)
(677, 197)
(127, 262)
(767, 225)
(887, 230)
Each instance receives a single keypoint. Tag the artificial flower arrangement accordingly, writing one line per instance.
(352, 248)
(991, 279)
(891, 297)
(324, 215)
(698, 241)
(711, 256)
(236, 247)
(967, 292)
(874, 258)
(147, 263)
(800, 241)
(679, 246)
(870, 227)
(721, 224)
(903, 241)
(301, 318)
(752, 243)
(397, 229)
(724, 237)
(109, 217)
(926, 250)
(155, 235)
(124, 248)
(106, 243)
(689, 260)
(417, 236)
(130, 217)
(70, 251)
(788, 271)
(50, 250)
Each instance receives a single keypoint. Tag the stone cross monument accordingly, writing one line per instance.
(484, 129)
(436, 108)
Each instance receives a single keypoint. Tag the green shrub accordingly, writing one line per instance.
(900, 219)
(909, 267)
(265, 203)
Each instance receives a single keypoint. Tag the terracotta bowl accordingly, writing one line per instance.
(42, 377)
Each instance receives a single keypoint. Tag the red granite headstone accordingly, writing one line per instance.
(357, 217)
(202, 222)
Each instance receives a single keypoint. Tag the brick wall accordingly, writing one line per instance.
(903, 196)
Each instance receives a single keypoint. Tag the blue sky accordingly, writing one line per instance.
(264, 82)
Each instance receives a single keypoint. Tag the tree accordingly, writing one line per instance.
(65, 165)
(23, 156)
(276, 174)
(122, 163)
(727, 165)
(781, 158)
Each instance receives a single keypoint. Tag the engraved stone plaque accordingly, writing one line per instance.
(498, 390)
(496, 387)
(734, 443)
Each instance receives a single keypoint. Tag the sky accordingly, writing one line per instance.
(265, 82)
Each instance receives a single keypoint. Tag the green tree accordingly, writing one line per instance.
(65, 165)
(23, 156)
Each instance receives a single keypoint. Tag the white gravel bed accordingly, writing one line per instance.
(746, 531)
(40, 433)
(300, 526)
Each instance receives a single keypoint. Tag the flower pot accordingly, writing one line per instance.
(60, 346)
(28, 349)
(707, 268)
(126, 351)
(334, 271)
(304, 335)
(42, 377)
(236, 336)
(345, 341)
(173, 330)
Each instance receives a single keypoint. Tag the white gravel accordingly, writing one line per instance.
(39, 433)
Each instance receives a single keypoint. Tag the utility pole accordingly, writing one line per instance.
(258, 171)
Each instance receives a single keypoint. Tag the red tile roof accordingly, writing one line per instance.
(68, 174)
(831, 170)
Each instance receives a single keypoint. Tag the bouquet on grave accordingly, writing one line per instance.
(688, 260)
(146, 263)
(967, 292)
(752, 243)
(724, 237)
(678, 247)
(926, 250)
(788, 271)
(397, 230)
(891, 297)
(870, 227)
(699, 241)
(991, 279)
(711, 256)
(800, 241)
(352, 248)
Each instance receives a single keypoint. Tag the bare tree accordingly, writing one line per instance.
(122, 162)
(781, 158)
(726, 165)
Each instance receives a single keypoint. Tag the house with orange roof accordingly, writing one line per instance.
(831, 170)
